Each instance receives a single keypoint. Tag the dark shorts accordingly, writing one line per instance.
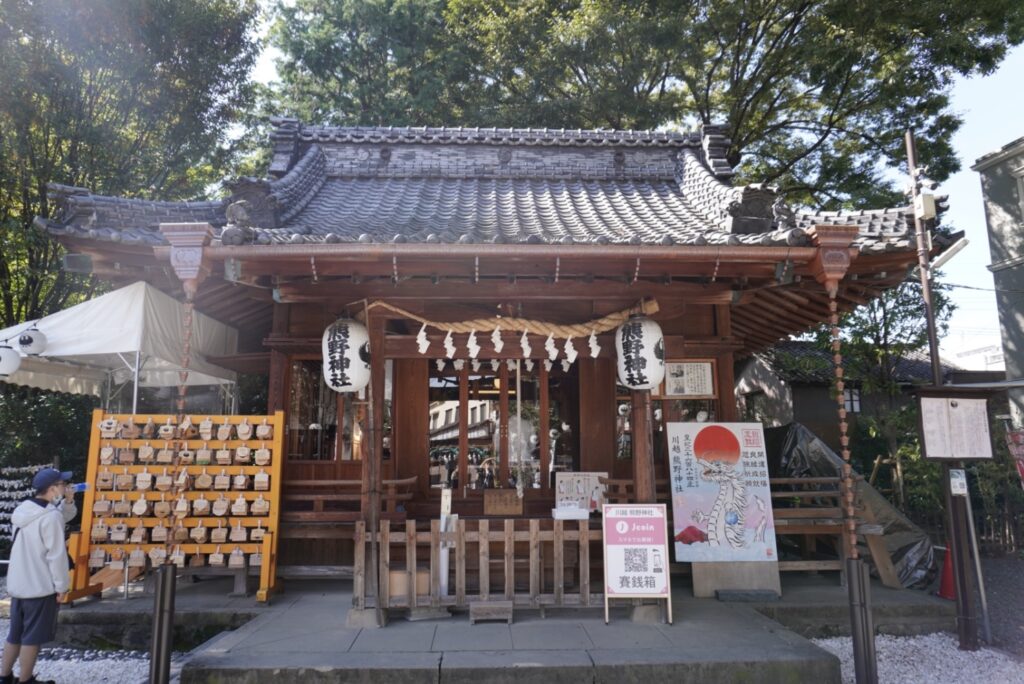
(33, 620)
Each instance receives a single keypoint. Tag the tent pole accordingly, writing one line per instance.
(135, 388)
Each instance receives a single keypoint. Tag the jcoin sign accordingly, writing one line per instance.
(636, 553)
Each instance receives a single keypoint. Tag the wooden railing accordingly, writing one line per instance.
(533, 563)
(805, 507)
(324, 501)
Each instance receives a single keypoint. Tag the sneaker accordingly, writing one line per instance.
(34, 680)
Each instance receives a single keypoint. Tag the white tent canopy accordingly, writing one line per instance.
(135, 329)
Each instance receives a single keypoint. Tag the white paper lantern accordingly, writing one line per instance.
(32, 341)
(640, 347)
(10, 360)
(346, 353)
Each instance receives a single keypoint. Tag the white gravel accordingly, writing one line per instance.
(87, 666)
(928, 659)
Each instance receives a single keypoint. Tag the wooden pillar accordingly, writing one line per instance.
(463, 464)
(503, 408)
(543, 425)
(369, 502)
(643, 446)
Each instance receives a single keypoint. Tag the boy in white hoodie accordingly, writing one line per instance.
(37, 577)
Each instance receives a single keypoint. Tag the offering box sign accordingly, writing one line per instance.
(721, 500)
(636, 551)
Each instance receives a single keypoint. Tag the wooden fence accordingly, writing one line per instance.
(533, 563)
(999, 532)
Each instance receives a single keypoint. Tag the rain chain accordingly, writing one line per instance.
(847, 486)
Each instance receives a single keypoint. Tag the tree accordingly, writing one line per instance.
(123, 98)
(371, 62)
(816, 94)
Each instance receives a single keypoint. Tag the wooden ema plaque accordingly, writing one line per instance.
(502, 502)
(146, 474)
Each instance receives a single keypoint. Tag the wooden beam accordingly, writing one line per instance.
(502, 290)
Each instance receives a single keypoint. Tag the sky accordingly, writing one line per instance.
(990, 107)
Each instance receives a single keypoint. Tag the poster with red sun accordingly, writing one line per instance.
(721, 501)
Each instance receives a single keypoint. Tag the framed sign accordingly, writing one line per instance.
(583, 490)
(955, 428)
(721, 499)
(636, 560)
(691, 379)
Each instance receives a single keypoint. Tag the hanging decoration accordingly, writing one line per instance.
(528, 365)
(566, 365)
(511, 365)
(440, 365)
(476, 365)
(346, 352)
(494, 365)
(550, 348)
(10, 360)
(471, 345)
(570, 351)
(32, 342)
(449, 345)
(640, 348)
(458, 364)
(524, 344)
(548, 365)
(421, 339)
(496, 340)
(595, 348)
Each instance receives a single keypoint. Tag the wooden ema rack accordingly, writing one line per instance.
(86, 580)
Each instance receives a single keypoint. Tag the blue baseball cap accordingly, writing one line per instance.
(47, 477)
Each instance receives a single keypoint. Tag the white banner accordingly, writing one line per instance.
(721, 500)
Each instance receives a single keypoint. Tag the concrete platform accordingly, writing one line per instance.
(304, 640)
(301, 637)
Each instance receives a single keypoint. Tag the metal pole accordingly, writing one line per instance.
(163, 626)
(967, 627)
(986, 624)
(135, 387)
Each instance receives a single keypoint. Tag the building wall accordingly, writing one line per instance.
(1002, 184)
(761, 395)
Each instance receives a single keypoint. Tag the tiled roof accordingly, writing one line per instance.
(807, 363)
(483, 185)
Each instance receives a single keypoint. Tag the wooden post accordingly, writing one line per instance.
(503, 449)
(643, 448)
(463, 464)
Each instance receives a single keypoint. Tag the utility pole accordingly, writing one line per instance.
(956, 506)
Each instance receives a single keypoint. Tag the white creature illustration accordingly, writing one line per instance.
(726, 519)
(763, 525)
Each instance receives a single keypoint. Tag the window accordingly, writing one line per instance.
(851, 400)
(449, 416)
(473, 417)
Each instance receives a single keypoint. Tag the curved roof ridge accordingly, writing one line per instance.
(292, 191)
(288, 128)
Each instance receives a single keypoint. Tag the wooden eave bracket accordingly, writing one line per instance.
(835, 254)
(188, 242)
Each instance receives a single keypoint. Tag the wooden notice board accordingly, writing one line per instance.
(167, 487)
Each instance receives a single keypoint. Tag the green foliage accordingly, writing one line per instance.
(815, 94)
(44, 427)
(123, 98)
